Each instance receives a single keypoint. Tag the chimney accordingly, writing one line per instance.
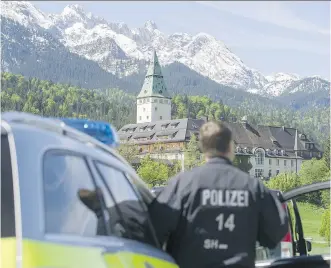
(244, 121)
(204, 118)
(296, 143)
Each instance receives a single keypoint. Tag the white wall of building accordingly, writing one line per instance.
(274, 164)
(153, 109)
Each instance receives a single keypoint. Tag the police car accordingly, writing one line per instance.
(69, 200)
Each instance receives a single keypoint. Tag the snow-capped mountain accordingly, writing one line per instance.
(122, 51)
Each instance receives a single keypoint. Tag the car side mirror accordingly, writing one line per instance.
(91, 199)
(308, 245)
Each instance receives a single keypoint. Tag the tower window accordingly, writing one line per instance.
(139, 117)
(147, 117)
(144, 109)
(155, 108)
(160, 91)
(160, 117)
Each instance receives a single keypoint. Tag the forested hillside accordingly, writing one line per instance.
(63, 100)
(115, 106)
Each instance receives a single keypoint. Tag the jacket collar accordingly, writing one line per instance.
(220, 160)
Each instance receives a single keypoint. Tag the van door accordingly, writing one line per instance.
(127, 220)
(71, 238)
(8, 232)
(302, 246)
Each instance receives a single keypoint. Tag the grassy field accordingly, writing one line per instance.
(311, 220)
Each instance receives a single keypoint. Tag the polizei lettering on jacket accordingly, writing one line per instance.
(225, 198)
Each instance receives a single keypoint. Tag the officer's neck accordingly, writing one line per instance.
(219, 155)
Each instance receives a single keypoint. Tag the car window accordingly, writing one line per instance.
(114, 223)
(64, 176)
(7, 192)
(141, 189)
(119, 185)
(131, 211)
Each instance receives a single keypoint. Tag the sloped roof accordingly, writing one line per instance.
(182, 130)
(154, 85)
(245, 135)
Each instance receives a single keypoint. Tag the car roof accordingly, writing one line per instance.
(50, 133)
(56, 127)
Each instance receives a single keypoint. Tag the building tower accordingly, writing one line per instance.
(153, 101)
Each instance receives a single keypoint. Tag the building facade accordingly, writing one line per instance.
(271, 150)
(153, 101)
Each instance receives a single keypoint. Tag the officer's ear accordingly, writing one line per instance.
(231, 151)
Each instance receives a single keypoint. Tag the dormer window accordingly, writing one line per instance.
(302, 136)
(174, 125)
(150, 128)
(309, 146)
(130, 130)
(164, 126)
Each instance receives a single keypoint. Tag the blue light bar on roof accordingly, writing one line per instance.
(101, 131)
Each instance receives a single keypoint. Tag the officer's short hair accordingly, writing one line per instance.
(215, 137)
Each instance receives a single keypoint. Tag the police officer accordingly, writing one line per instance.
(213, 215)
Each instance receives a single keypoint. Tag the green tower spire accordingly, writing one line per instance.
(154, 85)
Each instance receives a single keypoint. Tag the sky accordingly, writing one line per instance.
(269, 36)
